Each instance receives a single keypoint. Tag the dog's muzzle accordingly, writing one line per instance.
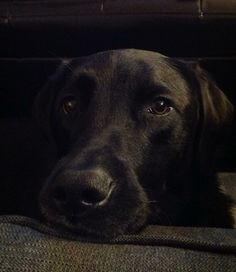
(96, 192)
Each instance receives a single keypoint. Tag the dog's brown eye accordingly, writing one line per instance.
(160, 106)
(68, 105)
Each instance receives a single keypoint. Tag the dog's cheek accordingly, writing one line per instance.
(167, 149)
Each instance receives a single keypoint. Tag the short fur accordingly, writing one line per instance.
(160, 166)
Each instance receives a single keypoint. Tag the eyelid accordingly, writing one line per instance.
(165, 98)
(67, 96)
(61, 99)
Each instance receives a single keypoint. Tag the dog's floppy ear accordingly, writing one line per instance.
(42, 107)
(215, 116)
(43, 103)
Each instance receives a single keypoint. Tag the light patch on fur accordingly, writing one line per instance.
(233, 212)
(233, 208)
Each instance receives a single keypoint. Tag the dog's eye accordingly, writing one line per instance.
(160, 106)
(68, 105)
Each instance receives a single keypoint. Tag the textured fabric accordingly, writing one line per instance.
(26, 245)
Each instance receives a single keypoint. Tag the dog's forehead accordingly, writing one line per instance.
(147, 66)
(131, 61)
(128, 69)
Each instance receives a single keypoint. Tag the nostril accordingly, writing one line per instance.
(96, 197)
(59, 195)
(91, 197)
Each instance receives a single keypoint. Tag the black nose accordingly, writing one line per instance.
(77, 191)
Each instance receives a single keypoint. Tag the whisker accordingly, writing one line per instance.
(151, 201)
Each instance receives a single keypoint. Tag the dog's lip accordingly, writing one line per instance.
(80, 228)
(96, 221)
(77, 226)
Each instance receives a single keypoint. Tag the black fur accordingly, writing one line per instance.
(147, 167)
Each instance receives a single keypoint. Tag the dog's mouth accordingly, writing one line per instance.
(121, 216)
(100, 224)
(95, 201)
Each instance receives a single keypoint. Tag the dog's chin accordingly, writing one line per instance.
(103, 228)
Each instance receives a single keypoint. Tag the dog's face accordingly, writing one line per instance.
(128, 128)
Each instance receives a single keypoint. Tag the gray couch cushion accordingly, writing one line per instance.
(26, 245)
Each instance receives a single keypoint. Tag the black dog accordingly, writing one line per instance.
(135, 133)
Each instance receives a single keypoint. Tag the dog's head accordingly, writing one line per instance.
(131, 129)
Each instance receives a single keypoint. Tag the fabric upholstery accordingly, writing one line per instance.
(26, 245)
